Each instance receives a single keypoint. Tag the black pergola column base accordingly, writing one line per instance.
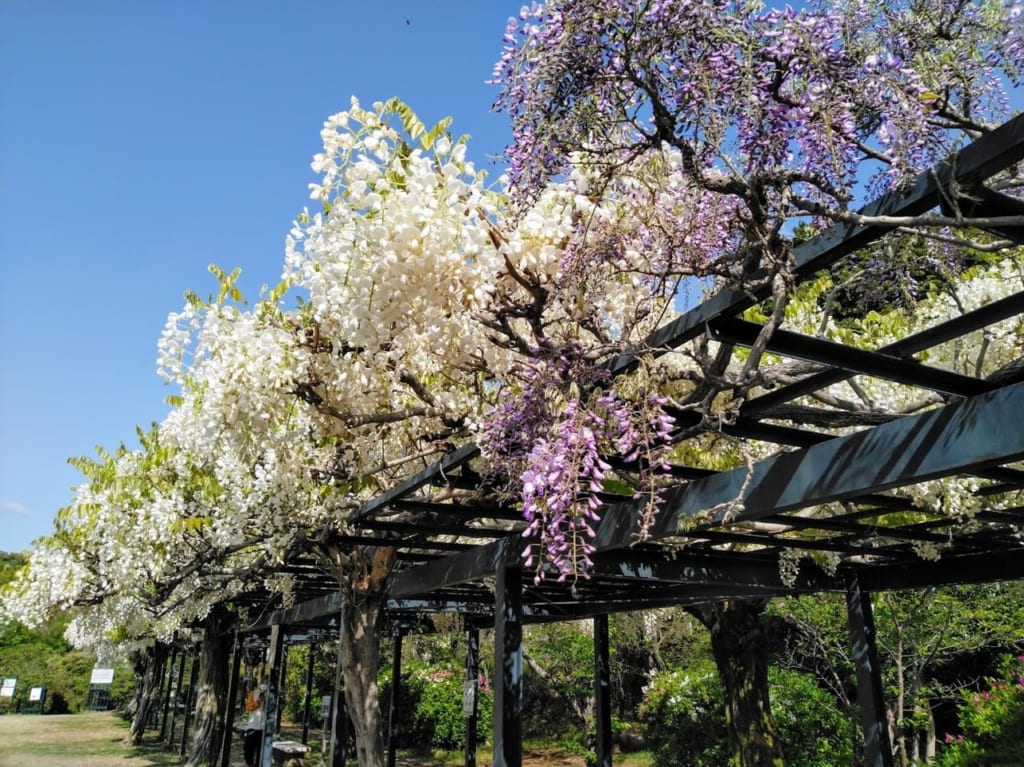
(877, 744)
(508, 667)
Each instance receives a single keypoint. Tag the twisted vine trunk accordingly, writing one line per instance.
(148, 667)
(741, 655)
(212, 688)
(362, 575)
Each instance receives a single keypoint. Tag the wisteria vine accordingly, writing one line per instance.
(556, 441)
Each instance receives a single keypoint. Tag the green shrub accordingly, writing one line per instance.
(68, 682)
(814, 732)
(684, 720)
(430, 712)
(324, 659)
(554, 700)
(992, 722)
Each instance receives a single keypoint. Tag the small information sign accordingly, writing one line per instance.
(102, 676)
(8, 687)
(469, 698)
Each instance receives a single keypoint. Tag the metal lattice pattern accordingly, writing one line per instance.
(826, 489)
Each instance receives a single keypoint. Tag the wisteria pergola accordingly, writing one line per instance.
(826, 488)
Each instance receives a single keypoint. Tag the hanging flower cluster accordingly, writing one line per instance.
(554, 442)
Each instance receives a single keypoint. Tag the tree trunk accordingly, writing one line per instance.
(901, 696)
(741, 654)
(928, 738)
(362, 577)
(148, 666)
(212, 685)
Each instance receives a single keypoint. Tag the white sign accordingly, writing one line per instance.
(469, 698)
(102, 676)
(7, 689)
(35, 694)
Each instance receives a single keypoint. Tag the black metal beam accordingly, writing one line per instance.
(473, 510)
(647, 599)
(849, 359)
(986, 315)
(725, 570)
(983, 567)
(958, 438)
(981, 202)
(834, 544)
(432, 529)
(447, 464)
(745, 428)
(305, 612)
(458, 568)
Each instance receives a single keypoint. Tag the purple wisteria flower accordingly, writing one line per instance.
(555, 440)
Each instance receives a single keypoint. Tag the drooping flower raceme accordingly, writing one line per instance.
(555, 438)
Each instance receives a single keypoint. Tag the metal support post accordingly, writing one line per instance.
(602, 693)
(309, 693)
(271, 699)
(471, 707)
(232, 701)
(508, 671)
(176, 696)
(166, 691)
(281, 683)
(396, 697)
(190, 695)
(337, 715)
(877, 745)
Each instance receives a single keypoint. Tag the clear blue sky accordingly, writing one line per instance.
(141, 141)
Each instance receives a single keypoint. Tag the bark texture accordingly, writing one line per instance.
(740, 647)
(148, 667)
(212, 689)
(362, 577)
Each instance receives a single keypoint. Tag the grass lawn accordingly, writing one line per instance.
(93, 739)
(90, 739)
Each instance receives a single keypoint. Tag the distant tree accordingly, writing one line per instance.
(933, 645)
